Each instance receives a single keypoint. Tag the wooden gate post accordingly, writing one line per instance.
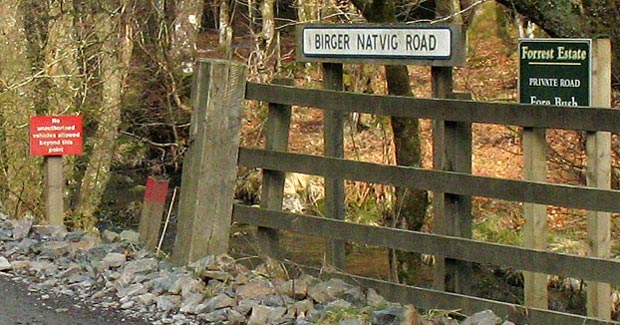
(333, 136)
(598, 150)
(451, 152)
(278, 126)
(210, 164)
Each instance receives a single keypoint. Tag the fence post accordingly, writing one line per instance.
(278, 125)
(333, 139)
(598, 147)
(535, 227)
(210, 164)
(451, 152)
(153, 207)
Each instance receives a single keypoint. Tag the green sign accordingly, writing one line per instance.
(555, 71)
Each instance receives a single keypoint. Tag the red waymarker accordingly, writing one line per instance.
(56, 135)
(156, 191)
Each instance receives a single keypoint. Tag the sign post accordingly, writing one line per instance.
(439, 46)
(54, 137)
(598, 151)
(552, 72)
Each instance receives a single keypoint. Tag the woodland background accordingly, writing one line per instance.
(126, 66)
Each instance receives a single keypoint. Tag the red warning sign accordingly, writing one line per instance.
(56, 135)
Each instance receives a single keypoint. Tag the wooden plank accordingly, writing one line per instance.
(333, 141)
(535, 228)
(598, 174)
(438, 181)
(429, 299)
(589, 268)
(54, 189)
(210, 166)
(277, 132)
(452, 212)
(457, 58)
(572, 118)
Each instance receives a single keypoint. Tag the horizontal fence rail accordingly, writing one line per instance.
(439, 181)
(466, 249)
(430, 299)
(463, 184)
(537, 116)
(589, 268)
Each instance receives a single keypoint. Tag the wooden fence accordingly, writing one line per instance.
(275, 162)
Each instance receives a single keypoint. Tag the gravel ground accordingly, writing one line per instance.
(20, 306)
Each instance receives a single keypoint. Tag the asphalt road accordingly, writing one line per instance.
(18, 306)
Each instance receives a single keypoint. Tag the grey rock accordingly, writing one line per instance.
(5, 265)
(130, 236)
(254, 291)
(217, 302)
(163, 282)
(55, 248)
(122, 280)
(394, 315)
(132, 290)
(190, 304)
(339, 304)
(374, 299)
(351, 321)
(215, 317)
(168, 302)
(235, 317)
(186, 285)
(43, 267)
(145, 299)
(330, 290)
(301, 307)
(71, 269)
(6, 234)
(276, 300)
(141, 265)
(128, 305)
(51, 232)
(265, 314)
(26, 244)
(485, 317)
(75, 236)
(20, 265)
(293, 288)
(21, 227)
(109, 236)
(355, 296)
(113, 260)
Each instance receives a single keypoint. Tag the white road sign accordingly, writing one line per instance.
(400, 42)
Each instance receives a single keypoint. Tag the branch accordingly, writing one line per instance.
(556, 18)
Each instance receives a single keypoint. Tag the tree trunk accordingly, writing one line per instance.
(410, 203)
(61, 61)
(20, 175)
(571, 20)
(226, 31)
(184, 32)
(115, 53)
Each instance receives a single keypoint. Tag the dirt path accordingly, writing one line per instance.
(19, 306)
